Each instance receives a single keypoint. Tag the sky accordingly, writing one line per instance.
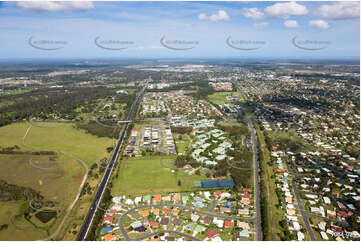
(287, 29)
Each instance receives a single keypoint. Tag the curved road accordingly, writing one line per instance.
(125, 233)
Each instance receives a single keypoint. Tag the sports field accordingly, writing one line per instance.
(147, 175)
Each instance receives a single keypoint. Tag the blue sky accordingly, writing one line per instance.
(135, 29)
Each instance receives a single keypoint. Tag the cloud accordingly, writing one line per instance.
(202, 16)
(321, 24)
(291, 24)
(220, 16)
(260, 25)
(285, 10)
(253, 13)
(55, 6)
(339, 11)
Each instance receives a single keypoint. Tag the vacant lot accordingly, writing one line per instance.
(220, 97)
(18, 229)
(56, 177)
(146, 175)
(182, 142)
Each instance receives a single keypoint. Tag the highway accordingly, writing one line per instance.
(258, 218)
(103, 184)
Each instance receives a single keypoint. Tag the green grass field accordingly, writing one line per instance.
(182, 143)
(18, 229)
(61, 137)
(60, 183)
(220, 97)
(146, 175)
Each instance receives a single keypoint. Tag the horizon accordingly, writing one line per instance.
(164, 30)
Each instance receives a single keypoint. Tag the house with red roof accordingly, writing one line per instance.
(228, 224)
(153, 224)
(107, 220)
(246, 195)
(211, 234)
(165, 211)
(342, 214)
(217, 193)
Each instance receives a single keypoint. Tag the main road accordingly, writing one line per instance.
(103, 184)
(256, 169)
(258, 218)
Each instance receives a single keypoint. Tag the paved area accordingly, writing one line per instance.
(213, 205)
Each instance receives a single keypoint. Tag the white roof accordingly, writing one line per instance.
(300, 236)
(217, 238)
(129, 202)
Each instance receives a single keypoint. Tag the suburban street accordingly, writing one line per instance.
(211, 214)
(98, 196)
(304, 214)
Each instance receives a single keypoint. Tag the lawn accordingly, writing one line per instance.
(182, 143)
(146, 175)
(220, 97)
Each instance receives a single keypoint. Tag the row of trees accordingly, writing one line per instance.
(15, 150)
